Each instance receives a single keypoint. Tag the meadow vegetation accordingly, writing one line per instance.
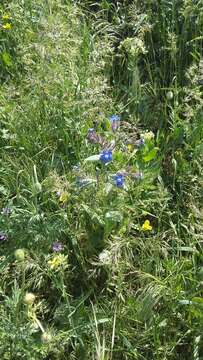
(101, 151)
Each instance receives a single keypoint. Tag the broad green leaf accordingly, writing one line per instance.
(151, 155)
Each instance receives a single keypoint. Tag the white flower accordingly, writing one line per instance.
(149, 135)
(104, 257)
(29, 298)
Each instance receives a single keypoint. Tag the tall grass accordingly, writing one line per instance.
(101, 261)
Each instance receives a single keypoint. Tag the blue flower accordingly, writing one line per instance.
(57, 247)
(119, 180)
(114, 118)
(106, 156)
(115, 122)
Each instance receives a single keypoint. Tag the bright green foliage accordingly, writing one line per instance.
(101, 258)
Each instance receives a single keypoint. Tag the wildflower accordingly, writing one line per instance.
(64, 196)
(57, 261)
(106, 156)
(119, 180)
(146, 226)
(104, 257)
(115, 122)
(92, 136)
(29, 298)
(19, 254)
(6, 211)
(3, 236)
(130, 147)
(6, 17)
(149, 135)
(169, 95)
(57, 247)
(46, 337)
(7, 26)
(114, 118)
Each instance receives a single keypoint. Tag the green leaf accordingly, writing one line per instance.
(7, 59)
(197, 301)
(3, 190)
(151, 155)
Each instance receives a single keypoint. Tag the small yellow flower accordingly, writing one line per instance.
(146, 226)
(57, 261)
(64, 197)
(6, 17)
(130, 147)
(6, 26)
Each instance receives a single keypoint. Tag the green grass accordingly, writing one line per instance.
(115, 291)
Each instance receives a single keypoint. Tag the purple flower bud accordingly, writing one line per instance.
(92, 136)
(3, 237)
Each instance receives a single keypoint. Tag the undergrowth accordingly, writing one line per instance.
(101, 180)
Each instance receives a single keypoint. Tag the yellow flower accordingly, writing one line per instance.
(6, 17)
(64, 197)
(6, 26)
(130, 147)
(146, 226)
(57, 261)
